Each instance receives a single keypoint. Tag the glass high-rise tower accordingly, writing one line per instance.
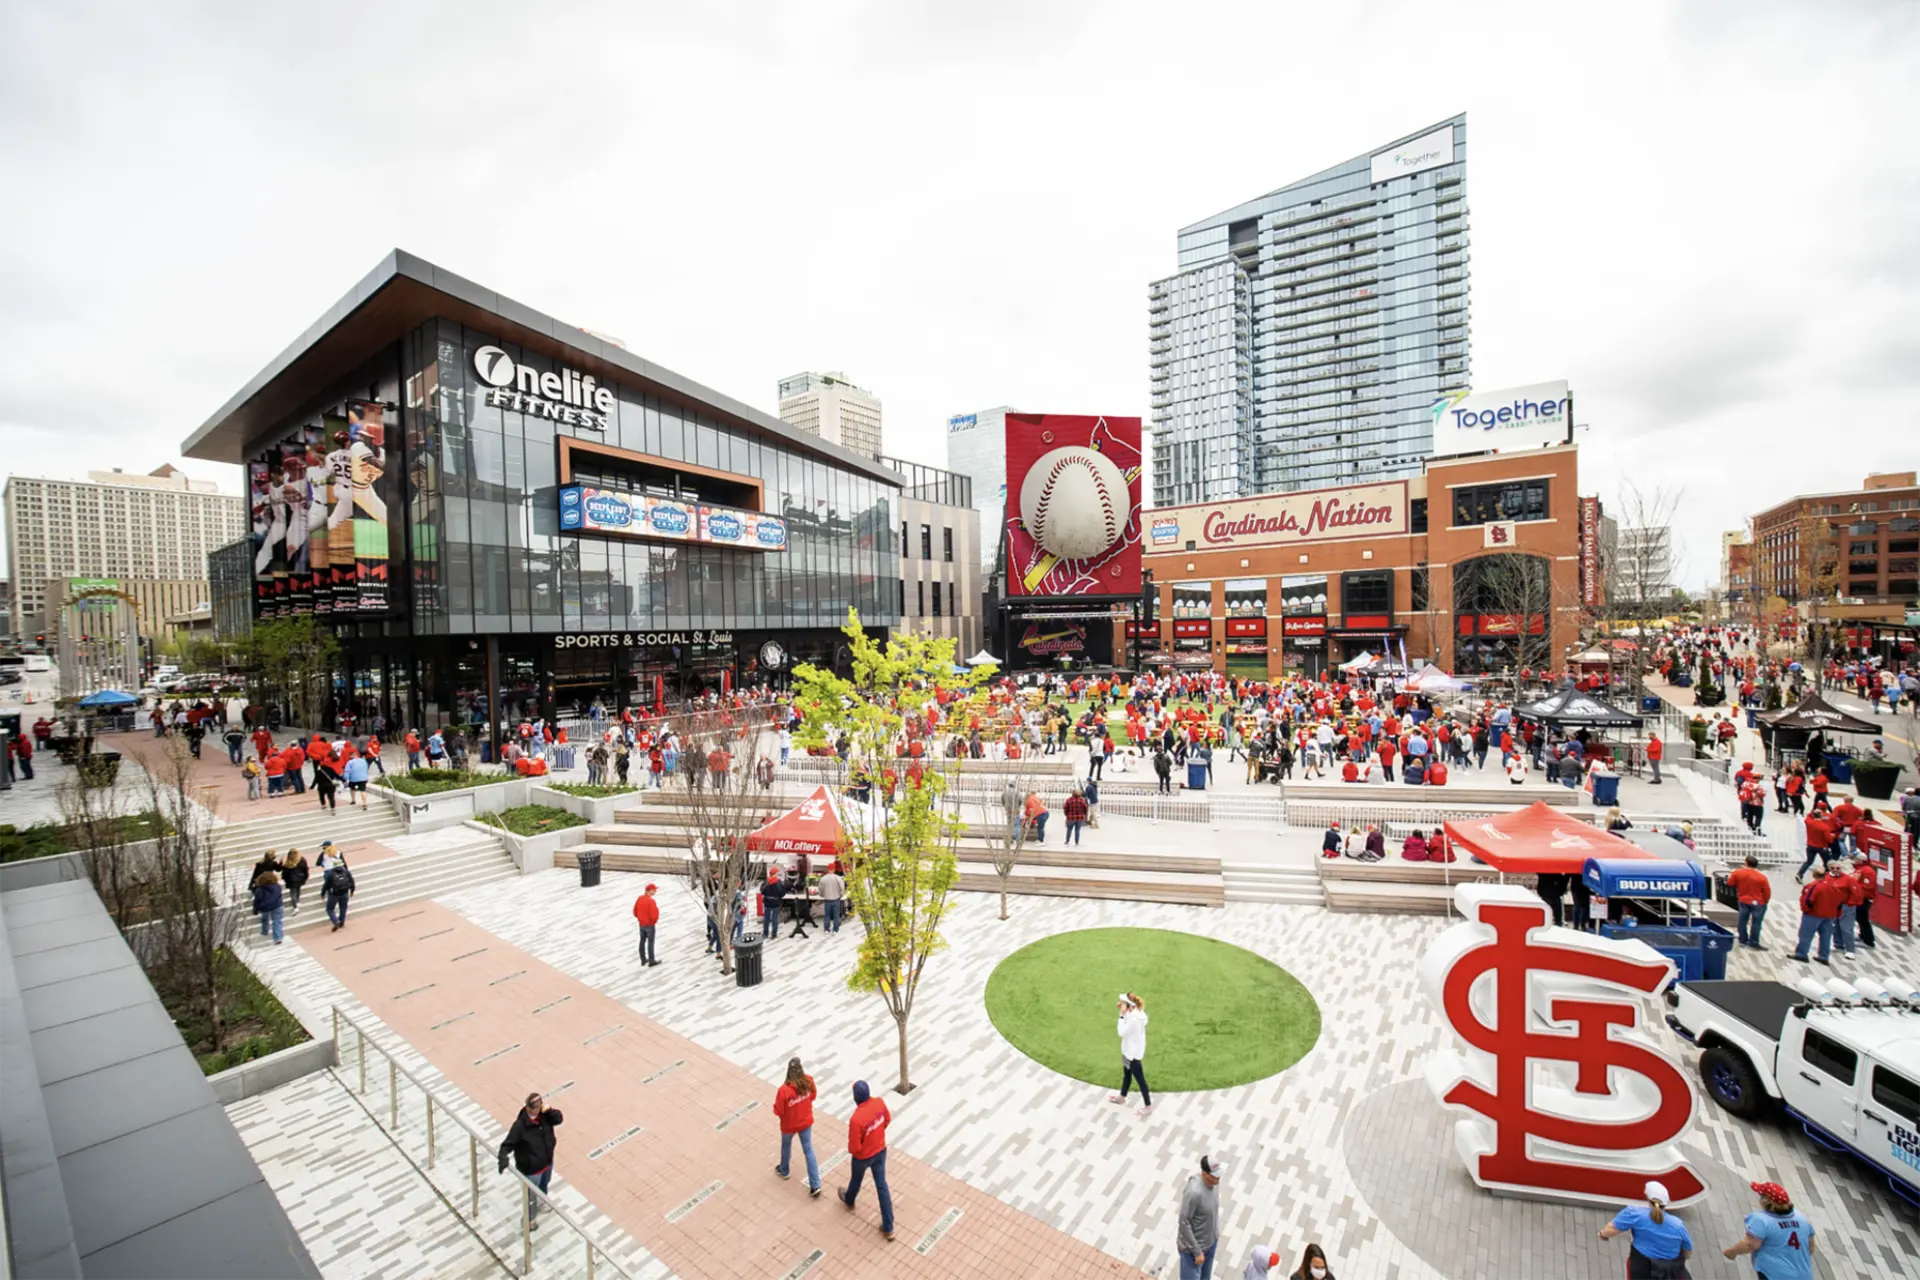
(1309, 332)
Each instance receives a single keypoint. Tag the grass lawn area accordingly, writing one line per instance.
(427, 782)
(590, 791)
(1218, 1015)
(532, 819)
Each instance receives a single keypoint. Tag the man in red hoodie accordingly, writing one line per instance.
(1820, 904)
(1822, 831)
(647, 911)
(867, 1144)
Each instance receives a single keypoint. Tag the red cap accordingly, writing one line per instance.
(1771, 1192)
(652, 887)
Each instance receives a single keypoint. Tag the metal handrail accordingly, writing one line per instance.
(475, 1139)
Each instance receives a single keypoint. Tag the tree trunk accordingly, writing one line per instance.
(1003, 909)
(900, 1024)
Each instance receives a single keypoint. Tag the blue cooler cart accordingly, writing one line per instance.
(1196, 776)
(1697, 946)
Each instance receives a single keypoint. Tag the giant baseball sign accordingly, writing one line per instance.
(1076, 528)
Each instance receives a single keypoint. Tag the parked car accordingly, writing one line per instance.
(1841, 1059)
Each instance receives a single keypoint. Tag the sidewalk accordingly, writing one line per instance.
(671, 1141)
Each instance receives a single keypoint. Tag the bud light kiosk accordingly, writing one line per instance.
(1640, 898)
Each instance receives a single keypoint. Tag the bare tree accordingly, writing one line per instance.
(96, 821)
(719, 811)
(1002, 826)
(195, 916)
(1816, 579)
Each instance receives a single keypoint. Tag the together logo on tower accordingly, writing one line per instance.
(573, 399)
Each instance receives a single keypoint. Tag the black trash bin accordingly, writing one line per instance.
(589, 868)
(746, 962)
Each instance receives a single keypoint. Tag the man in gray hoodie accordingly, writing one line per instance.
(1200, 1222)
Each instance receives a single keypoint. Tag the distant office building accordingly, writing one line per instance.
(940, 561)
(977, 449)
(1309, 332)
(1860, 546)
(156, 528)
(1642, 572)
(6, 609)
(832, 408)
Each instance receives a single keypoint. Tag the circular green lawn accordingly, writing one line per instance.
(1218, 1015)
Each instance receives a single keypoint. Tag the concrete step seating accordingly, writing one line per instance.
(1452, 796)
(1046, 870)
(1271, 883)
(244, 842)
(820, 768)
(410, 878)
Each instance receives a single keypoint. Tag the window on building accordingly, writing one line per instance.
(1899, 545)
(1863, 566)
(1906, 564)
(951, 611)
(926, 542)
(946, 542)
(903, 599)
(921, 593)
(1861, 548)
(1862, 528)
(906, 548)
(1863, 588)
(1417, 515)
(1419, 582)
(1366, 592)
(1491, 503)
(936, 600)
(1903, 587)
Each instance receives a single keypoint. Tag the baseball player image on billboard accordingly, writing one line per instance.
(293, 492)
(319, 506)
(1075, 527)
(366, 466)
(340, 584)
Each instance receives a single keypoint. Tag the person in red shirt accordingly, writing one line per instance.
(1820, 904)
(1868, 878)
(1387, 753)
(276, 766)
(1755, 892)
(1847, 815)
(646, 910)
(1655, 749)
(1851, 911)
(1349, 772)
(867, 1144)
(793, 1107)
(1437, 776)
(1820, 784)
(295, 760)
(1822, 831)
(262, 742)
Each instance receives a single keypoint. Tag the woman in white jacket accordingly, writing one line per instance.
(1133, 1048)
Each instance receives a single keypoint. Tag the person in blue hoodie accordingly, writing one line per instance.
(267, 904)
(356, 779)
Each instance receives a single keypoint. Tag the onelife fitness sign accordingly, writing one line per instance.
(566, 397)
(1526, 997)
(1285, 519)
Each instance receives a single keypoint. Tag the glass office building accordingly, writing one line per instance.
(1309, 332)
(440, 444)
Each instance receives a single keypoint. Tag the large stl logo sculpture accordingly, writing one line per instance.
(1566, 1098)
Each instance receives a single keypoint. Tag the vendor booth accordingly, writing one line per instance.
(1809, 724)
(810, 827)
(1640, 893)
(1538, 839)
(1568, 711)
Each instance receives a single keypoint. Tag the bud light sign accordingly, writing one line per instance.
(585, 509)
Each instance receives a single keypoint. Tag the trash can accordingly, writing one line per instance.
(1196, 776)
(563, 756)
(1649, 702)
(746, 962)
(589, 868)
(1679, 944)
(1606, 790)
(1716, 944)
(1840, 768)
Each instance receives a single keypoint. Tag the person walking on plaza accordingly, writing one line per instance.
(1660, 1243)
(1780, 1239)
(1075, 812)
(1313, 1265)
(1036, 816)
(1133, 1049)
(236, 741)
(336, 884)
(1820, 903)
(1199, 1230)
(793, 1107)
(1163, 770)
(325, 783)
(356, 778)
(531, 1143)
(833, 897)
(1755, 891)
(267, 904)
(1822, 832)
(867, 1144)
(646, 910)
(293, 875)
(1865, 877)
(1655, 749)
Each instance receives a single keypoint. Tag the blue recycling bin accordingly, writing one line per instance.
(1196, 776)
(1840, 768)
(1682, 946)
(1606, 790)
(563, 755)
(1649, 702)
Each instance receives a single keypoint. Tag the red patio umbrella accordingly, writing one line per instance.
(810, 827)
(1538, 839)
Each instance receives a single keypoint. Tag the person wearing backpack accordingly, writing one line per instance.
(267, 902)
(338, 886)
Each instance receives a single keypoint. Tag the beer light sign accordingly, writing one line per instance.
(1564, 1096)
(618, 513)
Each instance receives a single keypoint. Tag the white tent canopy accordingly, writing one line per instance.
(1360, 663)
(983, 658)
(1431, 679)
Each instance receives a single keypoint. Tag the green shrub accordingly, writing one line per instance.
(533, 819)
(589, 791)
(427, 782)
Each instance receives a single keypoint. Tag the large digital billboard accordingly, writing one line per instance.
(1073, 518)
(625, 514)
(319, 508)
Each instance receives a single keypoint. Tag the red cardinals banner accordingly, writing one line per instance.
(1073, 505)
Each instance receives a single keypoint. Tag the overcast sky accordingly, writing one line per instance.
(1706, 216)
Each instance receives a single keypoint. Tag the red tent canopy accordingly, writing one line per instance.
(1538, 839)
(810, 827)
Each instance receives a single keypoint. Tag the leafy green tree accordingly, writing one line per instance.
(291, 660)
(900, 860)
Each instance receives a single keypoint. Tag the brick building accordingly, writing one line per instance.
(1856, 552)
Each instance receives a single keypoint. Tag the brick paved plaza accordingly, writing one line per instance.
(533, 983)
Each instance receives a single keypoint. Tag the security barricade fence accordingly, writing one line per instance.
(458, 1157)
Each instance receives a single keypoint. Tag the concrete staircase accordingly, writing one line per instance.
(238, 845)
(1272, 882)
